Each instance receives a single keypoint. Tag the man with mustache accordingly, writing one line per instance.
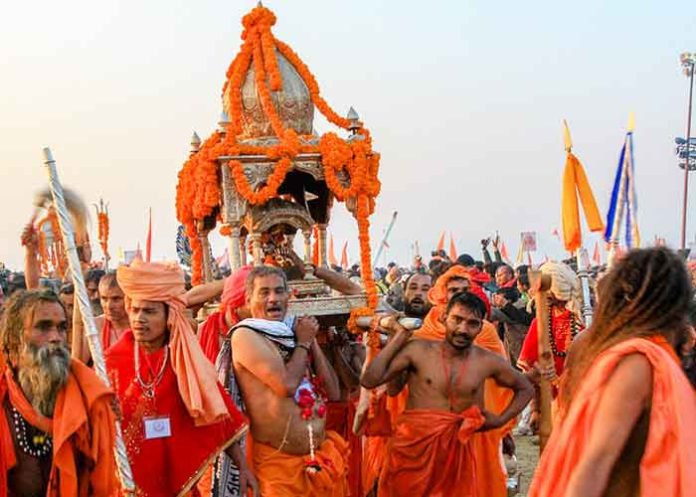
(430, 452)
(56, 422)
(285, 381)
(416, 288)
(491, 476)
(176, 416)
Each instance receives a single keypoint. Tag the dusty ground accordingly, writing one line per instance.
(527, 458)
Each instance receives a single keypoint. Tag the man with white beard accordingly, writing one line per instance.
(56, 421)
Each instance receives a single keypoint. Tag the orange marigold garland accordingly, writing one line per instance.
(198, 191)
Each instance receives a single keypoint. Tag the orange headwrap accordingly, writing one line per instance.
(438, 293)
(196, 377)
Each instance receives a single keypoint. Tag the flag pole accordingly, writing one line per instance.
(581, 258)
(383, 243)
(91, 332)
(620, 194)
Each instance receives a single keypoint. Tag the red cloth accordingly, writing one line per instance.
(339, 418)
(215, 326)
(169, 466)
(212, 331)
(430, 455)
(560, 327)
(83, 431)
(666, 467)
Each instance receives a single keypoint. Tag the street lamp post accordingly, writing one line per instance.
(688, 61)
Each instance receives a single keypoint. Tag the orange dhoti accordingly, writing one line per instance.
(430, 454)
(285, 475)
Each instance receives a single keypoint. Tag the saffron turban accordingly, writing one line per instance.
(196, 376)
(438, 293)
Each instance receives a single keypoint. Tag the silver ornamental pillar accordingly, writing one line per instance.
(91, 333)
(583, 262)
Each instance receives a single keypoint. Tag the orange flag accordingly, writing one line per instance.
(452, 249)
(504, 252)
(575, 184)
(332, 254)
(148, 240)
(344, 256)
(441, 242)
(597, 256)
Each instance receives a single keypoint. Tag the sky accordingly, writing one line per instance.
(464, 99)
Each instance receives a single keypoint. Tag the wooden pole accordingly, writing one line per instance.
(541, 283)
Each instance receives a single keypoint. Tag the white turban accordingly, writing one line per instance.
(565, 284)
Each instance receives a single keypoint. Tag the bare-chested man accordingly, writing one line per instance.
(429, 453)
(283, 374)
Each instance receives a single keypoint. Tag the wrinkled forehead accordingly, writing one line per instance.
(268, 282)
(45, 312)
(418, 280)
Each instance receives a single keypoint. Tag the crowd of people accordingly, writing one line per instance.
(220, 391)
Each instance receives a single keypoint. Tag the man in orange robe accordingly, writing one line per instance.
(57, 427)
(625, 425)
(176, 417)
(491, 476)
(431, 452)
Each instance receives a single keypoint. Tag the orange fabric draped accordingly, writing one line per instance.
(284, 475)
(339, 418)
(168, 466)
(669, 458)
(430, 454)
(437, 295)
(491, 475)
(575, 180)
(83, 425)
(196, 376)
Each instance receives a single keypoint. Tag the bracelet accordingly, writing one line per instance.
(304, 345)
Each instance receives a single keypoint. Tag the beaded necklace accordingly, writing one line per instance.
(552, 339)
(41, 444)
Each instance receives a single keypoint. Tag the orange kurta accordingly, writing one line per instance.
(285, 475)
(430, 454)
(670, 452)
(82, 428)
(170, 466)
(491, 476)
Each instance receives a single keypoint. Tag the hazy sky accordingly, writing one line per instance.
(464, 100)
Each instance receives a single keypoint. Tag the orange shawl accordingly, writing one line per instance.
(83, 424)
(284, 475)
(196, 376)
(438, 293)
(670, 455)
(430, 454)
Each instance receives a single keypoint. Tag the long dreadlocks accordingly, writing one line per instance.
(647, 293)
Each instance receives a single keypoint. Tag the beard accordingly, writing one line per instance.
(43, 371)
(416, 308)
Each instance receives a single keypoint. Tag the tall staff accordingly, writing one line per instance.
(575, 184)
(541, 284)
(85, 307)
